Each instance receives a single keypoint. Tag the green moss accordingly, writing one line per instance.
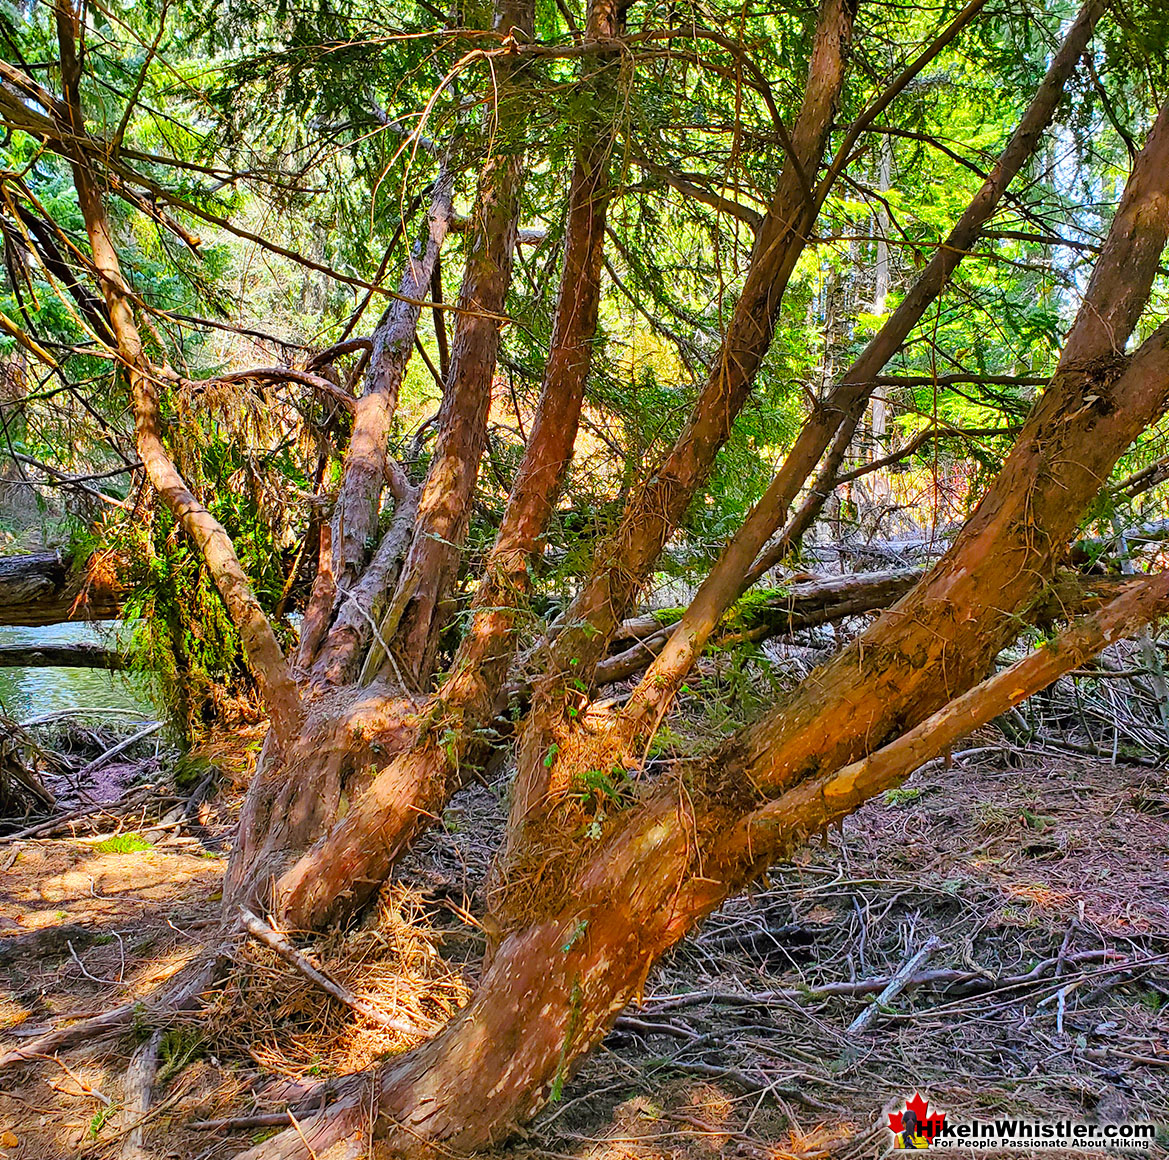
(100, 1119)
(123, 844)
(191, 769)
(754, 604)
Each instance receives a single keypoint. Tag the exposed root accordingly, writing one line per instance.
(183, 994)
(139, 1089)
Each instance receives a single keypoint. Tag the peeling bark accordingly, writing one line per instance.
(355, 516)
(344, 869)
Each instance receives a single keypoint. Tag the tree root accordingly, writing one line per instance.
(340, 1132)
(182, 995)
(136, 1103)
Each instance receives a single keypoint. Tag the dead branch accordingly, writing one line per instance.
(138, 1091)
(275, 941)
(895, 986)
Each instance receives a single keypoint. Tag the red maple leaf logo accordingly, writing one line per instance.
(921, 1122)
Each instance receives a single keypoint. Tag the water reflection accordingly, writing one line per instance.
(28, 693)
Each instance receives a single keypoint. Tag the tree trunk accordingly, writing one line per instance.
(835, 421)
(555, 987)
(348, 865)
(445, 505)
(621, 565)
(66, 656)
(265, 657)
(358, 578)
(730, 575)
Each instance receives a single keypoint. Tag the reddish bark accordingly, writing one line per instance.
(345, 868)
(554, 988)
(942, 637)
(265, 657)
(445, 504)
(621, 565)
(816, 803)
(725, 582)
(594, 923)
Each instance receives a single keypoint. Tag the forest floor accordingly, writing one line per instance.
(1046, 880)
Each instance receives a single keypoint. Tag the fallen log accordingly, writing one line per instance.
(45, 588)
(828, 599)
(784, 611)
(65, 656)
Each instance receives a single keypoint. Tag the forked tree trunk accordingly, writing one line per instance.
(361, 579)
(345, 868)
(554, 730)
(554, 989)
(355, 515)
(621, 743)
(300, 787)
(348, 865)
(589, 924)
(621, 565)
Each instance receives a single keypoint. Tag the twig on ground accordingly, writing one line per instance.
(182, 998)
(896, 985)
(240, 1123)
(121, 747)
(946, 979)
(91, 978)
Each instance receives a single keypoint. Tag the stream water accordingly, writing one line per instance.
(26, 693)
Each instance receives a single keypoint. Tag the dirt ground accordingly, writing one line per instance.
(1044, 878)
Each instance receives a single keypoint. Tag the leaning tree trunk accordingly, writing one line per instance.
(265, 657)
(632, 726)
(361, 579)
(622, 566)
(348, 864)
(589, 924)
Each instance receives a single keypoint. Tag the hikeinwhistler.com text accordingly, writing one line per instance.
(1043, 1135)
